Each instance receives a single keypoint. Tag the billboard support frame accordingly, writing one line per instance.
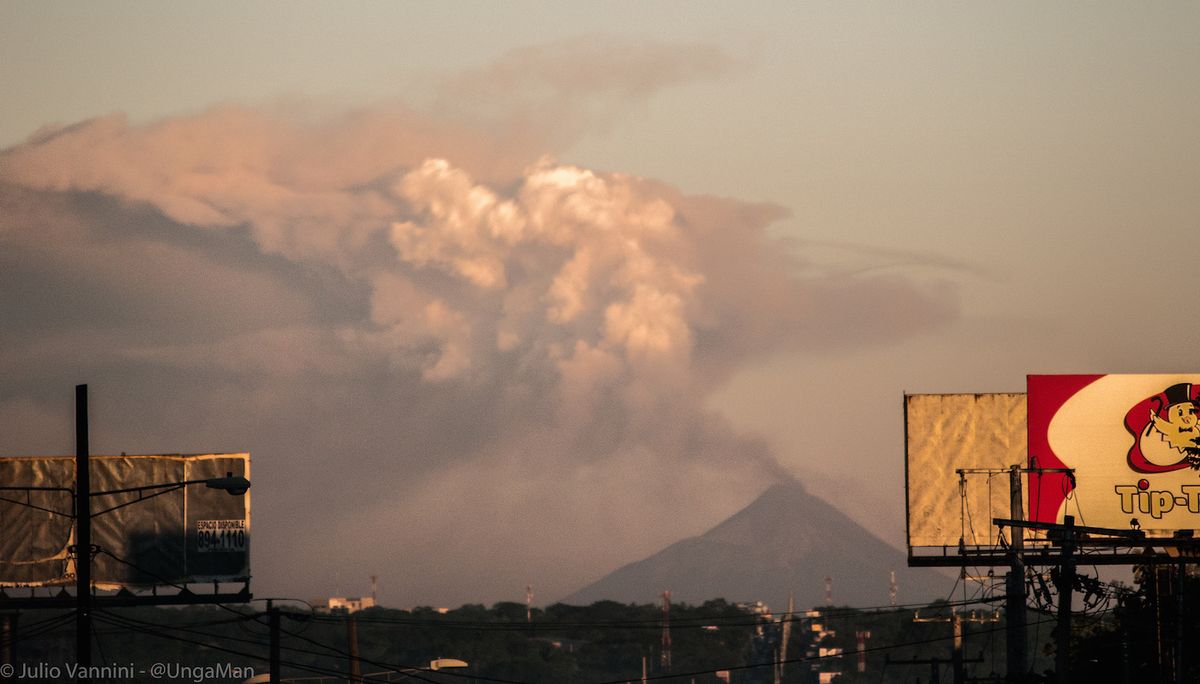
(126, 598)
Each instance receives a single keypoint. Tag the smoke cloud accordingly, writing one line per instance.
(458, 364)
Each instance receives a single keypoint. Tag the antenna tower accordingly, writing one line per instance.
(528, 603)
(665, 658)
(892, 589)
(783, 643)
(829, 591)
(862, 637)
(374, 589)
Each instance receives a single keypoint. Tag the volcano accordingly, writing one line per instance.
(786, 542)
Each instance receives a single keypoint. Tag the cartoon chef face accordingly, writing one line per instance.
(1178, 426)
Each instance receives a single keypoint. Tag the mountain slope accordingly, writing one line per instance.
(785, 542)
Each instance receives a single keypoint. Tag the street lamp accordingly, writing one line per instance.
(407, 673)
(234, 485)
(442, 663)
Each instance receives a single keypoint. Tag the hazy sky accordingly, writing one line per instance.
(508, 293)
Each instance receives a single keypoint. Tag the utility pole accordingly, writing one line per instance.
(352, 642)
(1179, 607)
(1016, 640)
(1156, 600)
(935, 665)
(83, 535)
(273, 615)
(786, 636)
(665, 656)
(862, 637)
(1066, 589)
(956, 657)
(1126, 672)
(8, 640)
(957, 619)
(528, 603)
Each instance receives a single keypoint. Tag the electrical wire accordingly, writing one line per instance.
(311, 609)
(393, 666)
(145, 627)
(126, 621)
(168, 582)
(257, 657)
(38, 629)
(52, 618)
(99, 644)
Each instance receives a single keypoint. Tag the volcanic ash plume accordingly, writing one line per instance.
(519, 363)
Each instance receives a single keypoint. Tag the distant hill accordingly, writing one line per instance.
(787, 541)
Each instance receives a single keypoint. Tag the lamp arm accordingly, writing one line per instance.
(169, 486)
(162, 489)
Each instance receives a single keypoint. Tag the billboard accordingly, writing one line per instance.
(958, 449)
(1133, 442)
(154, 532)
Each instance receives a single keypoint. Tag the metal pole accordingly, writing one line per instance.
(1016, 641)
(1156, 602)
(1066, 587)
(83, 534)
(960, 674)
(273, 615)
(352, 638)
(1179, 617)
(1125, 666)
(8, 642)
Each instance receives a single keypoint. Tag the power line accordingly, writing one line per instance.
(38, 629)
(257, 657)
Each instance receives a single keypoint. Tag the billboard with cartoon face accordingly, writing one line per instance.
(1133, 442)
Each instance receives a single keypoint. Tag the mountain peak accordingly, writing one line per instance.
(784, 488)
(786, 541)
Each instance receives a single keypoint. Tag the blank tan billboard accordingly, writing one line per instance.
(150, 528)
(958, 450)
